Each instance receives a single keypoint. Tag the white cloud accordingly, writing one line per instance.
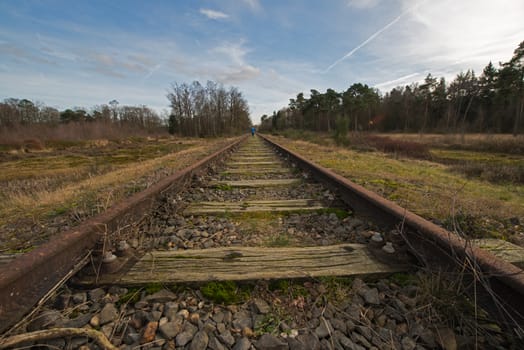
(235, 68)
(450, 32)
(212, 14)
(363, 4)
(439, 37)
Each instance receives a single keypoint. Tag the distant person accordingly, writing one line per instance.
(252, 131)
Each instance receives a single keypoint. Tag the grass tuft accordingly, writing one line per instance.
(227, 292)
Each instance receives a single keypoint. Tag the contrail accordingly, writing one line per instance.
(365, 42)
(398, 80)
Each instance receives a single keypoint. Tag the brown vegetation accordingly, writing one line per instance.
(48, 191)
(36, 136)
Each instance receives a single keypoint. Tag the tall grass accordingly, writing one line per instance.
(32, 136)
(500, 143)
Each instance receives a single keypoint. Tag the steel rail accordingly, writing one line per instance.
(26, 279)
(436, 246)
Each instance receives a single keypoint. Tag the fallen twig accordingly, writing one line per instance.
(54, 333)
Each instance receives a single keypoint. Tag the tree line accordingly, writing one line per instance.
(23, 112)
(491, 102)
(209, 110)
(196, 110)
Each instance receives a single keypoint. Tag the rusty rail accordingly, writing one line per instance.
(435, 245)
(27, 279)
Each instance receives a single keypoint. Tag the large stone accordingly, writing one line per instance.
(243, 319)
(95, 295)
(270, 342)
(149, 333)
(242, 344)
(344, 341)
(108, 314)
(171, 329)
(183, 338)
(215, 344)
(370, 295)
(47, 319)
(79, 321)
(295, 344)
(200, 341)
(311, 341)
(186, 335)
(324, 329)
(365, 331)
(261, 306)
(162, 296)
(227, 338)
(360, 339)
(339, 324)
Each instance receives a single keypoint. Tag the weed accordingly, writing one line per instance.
(131, 297)
(224, 187)
(294, 289)
(337, 288)
(268, 324)
(225, 292)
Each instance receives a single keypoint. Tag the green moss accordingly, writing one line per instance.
(295, 289)
(153, 288)
(224, 187)
(227, 292)
(20, 250)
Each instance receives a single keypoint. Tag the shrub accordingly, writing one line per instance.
(399, 147)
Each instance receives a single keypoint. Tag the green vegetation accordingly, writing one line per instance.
(270, 323)
(131, 297)
(224, 187)
(289, 287)
(83, 179)
(429, 188)
(153, 288)
(491, 102)
(227, 292)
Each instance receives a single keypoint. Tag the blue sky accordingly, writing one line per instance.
(83, 53)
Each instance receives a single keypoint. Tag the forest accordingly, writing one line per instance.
(210, 110)
(490, 103)
(196, 110)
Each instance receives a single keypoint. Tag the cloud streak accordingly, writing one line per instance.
(373, 36)
(213, 14)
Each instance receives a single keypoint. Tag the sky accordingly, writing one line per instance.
(73, 53)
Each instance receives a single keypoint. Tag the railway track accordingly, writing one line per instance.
(225, 231)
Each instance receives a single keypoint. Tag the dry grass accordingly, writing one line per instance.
(20, 136)
(73, 190)
(501, 143)
(424, 187)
